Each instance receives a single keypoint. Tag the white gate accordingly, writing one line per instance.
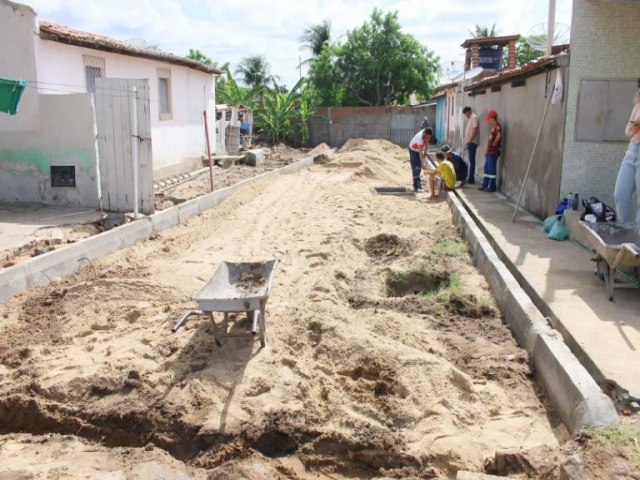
(114, 122)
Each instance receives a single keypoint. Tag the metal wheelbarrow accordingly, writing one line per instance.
(235, 288)
(614, 245)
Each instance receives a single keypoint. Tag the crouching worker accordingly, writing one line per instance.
(445, 172)
(459, 165)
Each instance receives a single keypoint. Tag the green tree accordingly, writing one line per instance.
(525, 52)
(255, 71)
(324, 82)
(316, 36)
(199, 57)
(378, 64)
(483, 31)
(284, 115)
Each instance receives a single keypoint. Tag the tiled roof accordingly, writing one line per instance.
(491, 40)
(59, 33)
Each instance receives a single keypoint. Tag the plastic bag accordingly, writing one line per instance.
(549, 223)
(559, 230)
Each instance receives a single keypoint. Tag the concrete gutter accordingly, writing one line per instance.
(44, 268)
(572, 392)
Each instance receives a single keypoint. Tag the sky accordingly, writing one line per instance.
(228, 31)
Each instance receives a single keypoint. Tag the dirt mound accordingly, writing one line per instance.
(283, 153)
(386, 245)
(379, 147)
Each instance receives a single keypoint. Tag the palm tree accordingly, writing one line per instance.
(316, 37)
(483, 32)
(255, 71)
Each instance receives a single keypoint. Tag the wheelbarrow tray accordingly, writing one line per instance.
(617, 243)
(236, 287)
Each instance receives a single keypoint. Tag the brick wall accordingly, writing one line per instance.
(604, 44)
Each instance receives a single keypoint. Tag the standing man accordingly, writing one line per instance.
(492, 153)
(471, 140)
(417, 152)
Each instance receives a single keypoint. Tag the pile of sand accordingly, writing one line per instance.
(351, 382)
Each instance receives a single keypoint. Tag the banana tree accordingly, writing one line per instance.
(233, 94)
(278, 112)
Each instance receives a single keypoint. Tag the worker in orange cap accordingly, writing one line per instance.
(493, 152)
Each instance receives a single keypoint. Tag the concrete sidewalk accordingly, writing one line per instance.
(558, 276)
(21, 223)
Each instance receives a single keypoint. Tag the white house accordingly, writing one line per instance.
(56, 125)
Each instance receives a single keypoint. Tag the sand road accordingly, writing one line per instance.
(360, 377)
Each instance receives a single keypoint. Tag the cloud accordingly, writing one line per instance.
(229, 31)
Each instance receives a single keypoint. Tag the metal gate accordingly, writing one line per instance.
(403, 127)
(113, 99)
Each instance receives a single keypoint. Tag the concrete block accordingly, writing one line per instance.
(164, 219)
(99, 245)
(134, 232)
(525, 319)
(254, 157)
(214, 199)
(13, 280)
(188, 209)
(573, 393)
(297, 166)
(463, 475)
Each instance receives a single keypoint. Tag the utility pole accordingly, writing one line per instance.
(551, 23)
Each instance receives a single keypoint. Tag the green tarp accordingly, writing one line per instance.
(10, 93)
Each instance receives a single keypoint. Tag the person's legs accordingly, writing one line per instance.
(416, 167)
(628, 179)
(489, 180)
(471, 148)
(636, 155)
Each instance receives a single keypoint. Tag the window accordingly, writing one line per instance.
(164, 94)
(93, 68)
(604, 107)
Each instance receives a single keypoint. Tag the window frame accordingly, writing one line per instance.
(91, 61)
(165, 74)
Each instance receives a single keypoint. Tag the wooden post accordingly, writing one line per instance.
(206, 133)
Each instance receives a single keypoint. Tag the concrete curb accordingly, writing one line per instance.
(43, 269)
(572, 392)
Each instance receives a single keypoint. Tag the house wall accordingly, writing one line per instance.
(604, 45)
(66, 137)
(441, 120)
(178, 143)
(520, 111)
(17, 61)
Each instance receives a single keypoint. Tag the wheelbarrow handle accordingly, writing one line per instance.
(184, 317)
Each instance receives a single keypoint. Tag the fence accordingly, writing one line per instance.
(335, 125)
